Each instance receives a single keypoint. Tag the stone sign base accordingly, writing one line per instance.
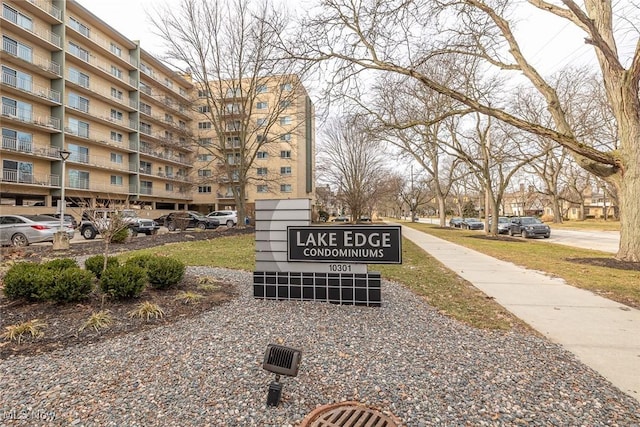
(336, 288)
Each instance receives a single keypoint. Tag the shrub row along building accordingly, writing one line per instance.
(138, 132)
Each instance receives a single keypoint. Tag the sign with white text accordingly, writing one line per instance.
(365, 244)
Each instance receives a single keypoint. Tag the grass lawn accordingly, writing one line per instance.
(617, 284)
(420, 272)
(589, 224)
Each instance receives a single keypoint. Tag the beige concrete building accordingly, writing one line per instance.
(71, 83)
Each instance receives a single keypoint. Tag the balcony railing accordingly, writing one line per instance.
(34, 28)
(29, 147)
(28, 56)
(47, 7)
(27, 116)
(103, 43)
(102, 65)
(22, 177)
(27, 86)
(124, 100)
(105, 115)
(99, 162)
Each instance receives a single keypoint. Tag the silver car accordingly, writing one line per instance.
(228, 218)
(23, 230)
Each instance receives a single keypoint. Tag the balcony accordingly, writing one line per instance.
(106, 116)
(170, 156)
(104, 44)
(99, 162)
(32, 31)
(86, 87)
(45, 7)
(25, 57)
(104, 66)
(14, 176)
(30, 148)
(49, 124)
(33, 91)
(155, 79)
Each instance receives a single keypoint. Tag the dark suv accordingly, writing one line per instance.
(529, 226)
(189, 219)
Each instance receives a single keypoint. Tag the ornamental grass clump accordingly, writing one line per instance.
(16, 332)
(98, 320)
(147, 310)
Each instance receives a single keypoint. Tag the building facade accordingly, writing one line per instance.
(71, 83)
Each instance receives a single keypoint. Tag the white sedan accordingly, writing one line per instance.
(23, 230)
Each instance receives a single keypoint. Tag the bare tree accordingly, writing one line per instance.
(245, 87)
(355, 163)
(404, 36)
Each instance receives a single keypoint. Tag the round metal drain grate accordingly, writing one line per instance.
(349, 414)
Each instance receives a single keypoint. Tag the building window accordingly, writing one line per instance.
(116, 158)
(261, 89)
(79, 27)
(78, 127)
(204, 189)
(263, 155)
(205, 157)
(204, 93)
(145, 108)
(146, 187)
(117, 180)
(168, 83)
(286, 120)
(145, 167)
(285, 154)
(168, 186)
(261, 122)
(285, 170)
(261, 139)
(234, 125)
(263, 188)
(76, 50)
(285, 137)
(78, 102)
(168, 118)
(204, 172)
(116, 136)
(285, 87)
(115, 71)
(204, 125)
(78, 77)
(116, 115)
(18, 49)
(17, 141)
(115, 93)
(262, 171)
(285, 188)
(204, 109)
(285, 104)
(115, 49)
(233, 93)
(262, 105)
(205, 142)
(17, 18)
(79, 179)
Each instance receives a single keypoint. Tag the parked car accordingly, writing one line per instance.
(341, 219)
(93, 220)
(528, 226)
(191, 219)
(229, 218)
(455, 222)
(472, 224)
(160, 220)
(23, 230)
(503, 224)
(67, 217)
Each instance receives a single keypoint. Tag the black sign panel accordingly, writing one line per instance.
(366, 244)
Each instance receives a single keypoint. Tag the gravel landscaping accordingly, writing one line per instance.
(404, 358)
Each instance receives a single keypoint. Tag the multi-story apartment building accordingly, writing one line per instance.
(263, 130)
(71, 83)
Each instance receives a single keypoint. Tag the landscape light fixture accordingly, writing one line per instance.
(281, 361)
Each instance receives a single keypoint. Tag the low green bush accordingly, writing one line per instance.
(71, 284)
(141, 261)
(28, 280)
(123, 281)
(120, 236)
(61, 264)
(164, 272)
(95, 264)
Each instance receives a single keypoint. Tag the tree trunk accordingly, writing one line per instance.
(628, 190)
(557, 210)
(442, 213)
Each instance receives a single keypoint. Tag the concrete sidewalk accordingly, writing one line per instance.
(603, 334)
